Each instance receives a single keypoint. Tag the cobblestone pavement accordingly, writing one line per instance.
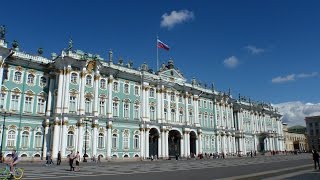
(36, 171)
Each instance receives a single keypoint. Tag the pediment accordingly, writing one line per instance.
(172, 74)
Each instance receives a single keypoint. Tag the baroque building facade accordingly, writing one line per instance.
(82, 102)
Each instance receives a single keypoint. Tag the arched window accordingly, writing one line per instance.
(213, 143)
(17, 76)
(211, 121)
(70, 139)
(205, 120)
(151, 93)
(173, 115)
(74, 78)
(101, 141)
(126, 88)
(25, 139)
(126, 110)
(136, 144)
(11, 140)
(38, 140)
(152, 113)
(126, 140)
(102, 83)
(180, 116)
(30, 79)
(114, 141)
(89, 80)
(165, 111)
(43, 81)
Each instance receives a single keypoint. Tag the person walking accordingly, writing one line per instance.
(71, 159)
(59, 158)
(77, 161)
(315, 157)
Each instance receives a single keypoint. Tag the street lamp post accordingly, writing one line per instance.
(85, 141)
(4, 114)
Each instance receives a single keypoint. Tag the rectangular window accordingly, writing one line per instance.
(15, 102)
(136, 90)
(126, 110)
(136, 112)
(102, 107)
(189, 100)
(115, 109)
(88, 106)
(125, 142)
(72, 105)
(28, 105)
(180, 99)
(100, 141)
(41, 106)
(165, 95)
(2, 101)
(38, 140)
(115, 86)
(114, 141)
(136, 142)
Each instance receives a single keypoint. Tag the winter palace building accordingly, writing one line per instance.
(82, 102)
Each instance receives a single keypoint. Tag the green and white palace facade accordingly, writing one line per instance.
(82, 102)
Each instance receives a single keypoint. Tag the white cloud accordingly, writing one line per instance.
(231, 62)
(293, 77)
(295, 112)
(176, 17)
(254, 49)
(283, 79)
(305, 75)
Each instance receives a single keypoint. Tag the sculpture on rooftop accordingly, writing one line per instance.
(2, 31)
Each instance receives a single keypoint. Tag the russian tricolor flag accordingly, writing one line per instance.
(162, 45)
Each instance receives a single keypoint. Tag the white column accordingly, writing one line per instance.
(182, 147)
(56, 137)
(196, 110)
(147, 107)
(162, 105)
(160, 146)
(80, 137)
(109, 139)
(218, 142)
(49, 102)
(60, 88)
(163, 143)
(232, 118)
(186, 113)
(215, 114)
(200, 143)
(177, 108)
(142, 145)
(45, 136)
(166, 133)
(109, 112)
(226, 108)
(95, 137)
(147, 142)
(64, 136)
(83, 84)
(66, 90)
(234, 145)
(96, 94)
(158, 96)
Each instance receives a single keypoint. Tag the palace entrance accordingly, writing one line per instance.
(174, 143)
(153, 142)
(193, 147)
(261, 145)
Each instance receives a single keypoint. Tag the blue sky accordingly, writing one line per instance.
(266, 50)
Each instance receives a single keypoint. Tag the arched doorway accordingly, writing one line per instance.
(153, 142)
(193, 147)
(174, 143)
(261, 145)
(296, 145)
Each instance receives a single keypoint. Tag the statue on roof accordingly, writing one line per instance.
(70, 44)
(2, 31)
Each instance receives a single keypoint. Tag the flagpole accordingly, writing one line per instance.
(157, 55)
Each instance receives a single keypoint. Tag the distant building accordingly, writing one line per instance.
(313, 128)
(297, 129)
(294, 141)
